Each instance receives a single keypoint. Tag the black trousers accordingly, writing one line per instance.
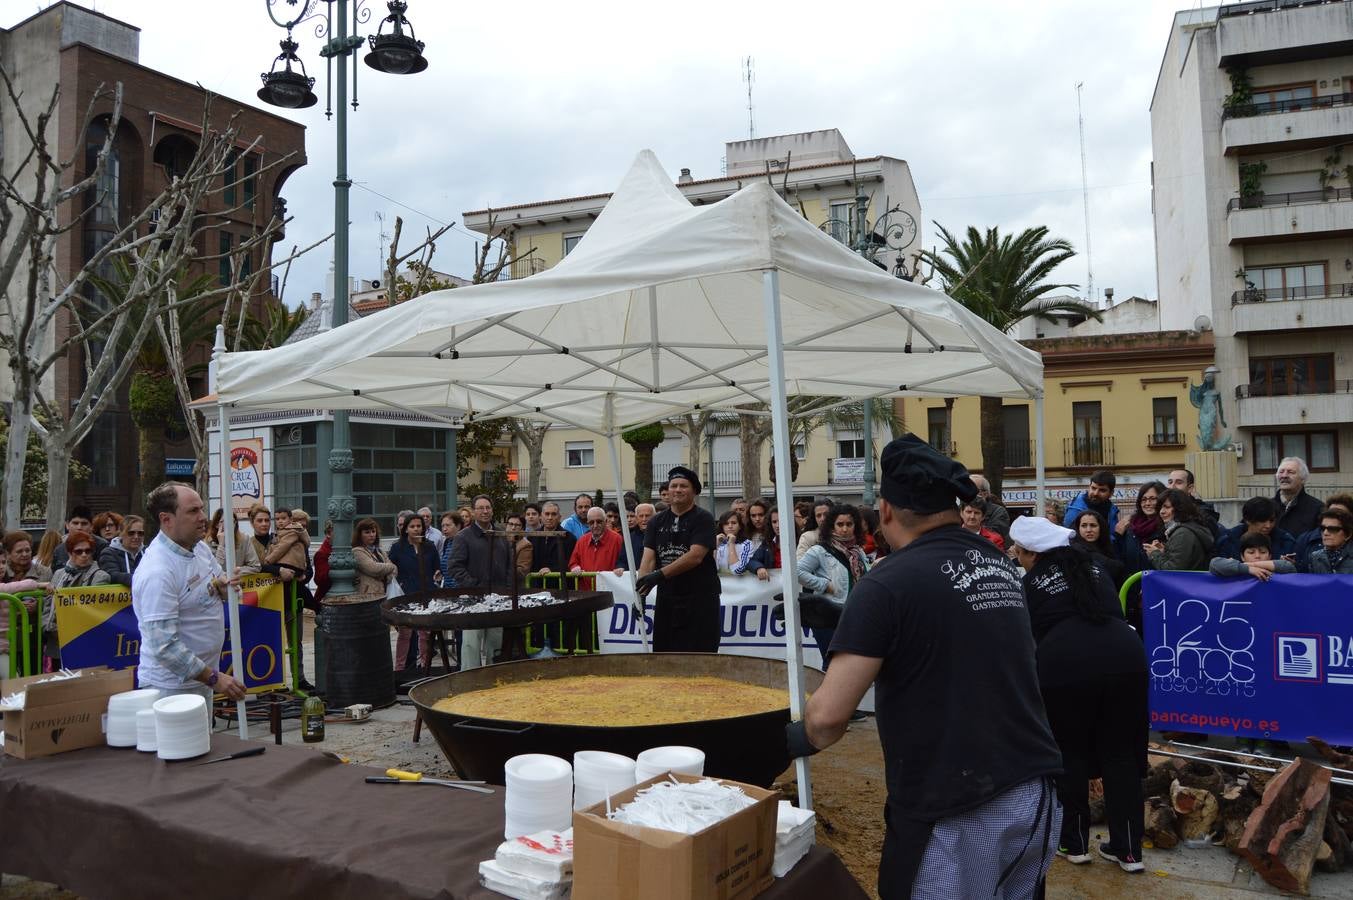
(686, 624)
(1101, 725)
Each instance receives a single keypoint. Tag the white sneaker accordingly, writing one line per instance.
(1076, 859)
(1126, 863)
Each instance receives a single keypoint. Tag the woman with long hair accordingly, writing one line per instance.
(1092, 674)
(732, 549)
(758, 522)
(47, 547)
(1143, 527)
(1091, 533)
(417, 569)
(374, 568)
(766, 558)
(834, 565)
(22, 573)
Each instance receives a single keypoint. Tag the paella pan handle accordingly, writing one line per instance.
(465, 723)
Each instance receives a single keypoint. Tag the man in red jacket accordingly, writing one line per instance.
(597, 550)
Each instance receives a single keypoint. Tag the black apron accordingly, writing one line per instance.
(686, 624)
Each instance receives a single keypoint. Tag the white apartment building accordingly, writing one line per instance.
(1253, 209)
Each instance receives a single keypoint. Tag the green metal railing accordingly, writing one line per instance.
(24, 631)
(535, 635)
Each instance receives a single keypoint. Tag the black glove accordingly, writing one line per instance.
(796, 736)
(648, 582)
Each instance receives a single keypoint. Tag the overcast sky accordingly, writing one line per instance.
(531, 101)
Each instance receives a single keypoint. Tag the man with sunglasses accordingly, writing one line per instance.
(1333, 557)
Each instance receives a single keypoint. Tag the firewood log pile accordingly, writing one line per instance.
(1288, 820)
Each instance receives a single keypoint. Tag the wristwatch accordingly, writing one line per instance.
(215, 677)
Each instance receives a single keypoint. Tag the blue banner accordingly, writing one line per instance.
(1250, 658)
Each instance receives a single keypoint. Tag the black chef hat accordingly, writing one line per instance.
(918, 477)
(688, 474)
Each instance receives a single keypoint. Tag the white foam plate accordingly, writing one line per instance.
(537, 767)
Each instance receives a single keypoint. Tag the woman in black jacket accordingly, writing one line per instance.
(418, 569)
(1092, 536)
(1093, 676)
(123, 554)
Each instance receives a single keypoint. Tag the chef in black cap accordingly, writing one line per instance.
(679, 562)
(940, 629)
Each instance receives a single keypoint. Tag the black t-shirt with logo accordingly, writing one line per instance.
(959, 711)
(670, 536)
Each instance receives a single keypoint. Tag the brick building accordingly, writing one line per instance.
(81, 51)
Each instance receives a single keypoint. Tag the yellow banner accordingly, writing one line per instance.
(97, 627)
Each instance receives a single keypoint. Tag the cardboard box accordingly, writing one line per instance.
(61, 715)
(730, 860)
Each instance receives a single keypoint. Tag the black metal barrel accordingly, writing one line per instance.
(357, 643)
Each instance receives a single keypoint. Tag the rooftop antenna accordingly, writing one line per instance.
(1085, 199)
(749, 76)
(380, 260)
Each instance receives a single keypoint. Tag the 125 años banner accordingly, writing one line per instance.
(96, 627)
(1250, 658)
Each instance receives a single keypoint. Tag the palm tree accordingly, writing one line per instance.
(1001, 278)
(273, 330)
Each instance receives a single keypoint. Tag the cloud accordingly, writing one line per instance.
(542, 100)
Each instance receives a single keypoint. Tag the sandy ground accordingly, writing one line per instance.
(848, 796)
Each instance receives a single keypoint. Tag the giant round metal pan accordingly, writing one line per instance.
(747, 748)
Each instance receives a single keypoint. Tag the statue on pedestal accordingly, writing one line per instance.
(1211, 419)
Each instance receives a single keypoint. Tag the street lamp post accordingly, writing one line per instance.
(394, 52)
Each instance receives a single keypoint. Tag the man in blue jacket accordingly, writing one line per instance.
(1098, 498)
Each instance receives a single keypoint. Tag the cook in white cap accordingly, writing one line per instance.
(1092, 674)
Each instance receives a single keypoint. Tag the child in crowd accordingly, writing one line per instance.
(1256, 559)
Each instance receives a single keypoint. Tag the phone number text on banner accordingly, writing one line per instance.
(1250, 658)
(97, 627)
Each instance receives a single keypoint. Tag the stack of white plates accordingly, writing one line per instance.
(145, 730)
(660, 760)
(122, 709)
(598, 774)
(539, 794)
(182, 729)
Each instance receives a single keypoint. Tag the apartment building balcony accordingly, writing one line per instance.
(1020, 453)
(1266, 32)
(1288, 124)
(718, 475)
(1297, 215)
(1315, 306)
(1302, 403)
(1087, 453)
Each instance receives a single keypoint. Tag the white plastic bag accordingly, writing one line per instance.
(393, 590)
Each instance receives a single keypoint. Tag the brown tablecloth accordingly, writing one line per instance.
(114, 824)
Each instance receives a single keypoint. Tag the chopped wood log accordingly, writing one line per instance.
(1160, 823)
(1234, 807)
(1284, 833)
(1259, 780)
(1340, 849)
(1195, 809)
(1336, 758)
(1202, 775)
(1158, 779)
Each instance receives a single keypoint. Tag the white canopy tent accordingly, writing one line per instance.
(662, 308)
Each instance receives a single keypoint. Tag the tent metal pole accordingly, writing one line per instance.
(784, 501)
(1040, 470)
(238, 661)
(614, 447)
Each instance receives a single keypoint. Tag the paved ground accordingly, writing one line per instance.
(848, 792)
